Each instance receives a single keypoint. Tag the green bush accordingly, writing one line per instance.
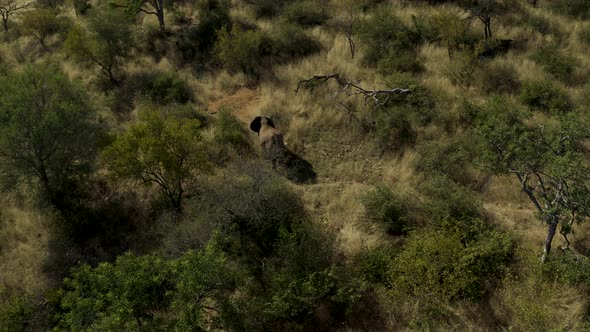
(460, 259)
(239, 50)
(383, 207)
(449, 158)
(575, 8)
(394, 128)
(289, 40)
(420, 101)
(543, 25)
(497, 78)
(305, 13)
(568, 267)
(165, 88)
(554, 62)
(584, 34)
(448, 200)
(229, 131)
(15, 311)
(391, 46)
(373, 264)
(544, 96)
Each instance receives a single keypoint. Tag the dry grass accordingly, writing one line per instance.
(24, 237)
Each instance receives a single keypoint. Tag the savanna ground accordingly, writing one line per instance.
(357, 151)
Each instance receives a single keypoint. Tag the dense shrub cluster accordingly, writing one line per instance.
(165, 88)
(391, 46)
(556, 63)
(383, 207)
(544, 96)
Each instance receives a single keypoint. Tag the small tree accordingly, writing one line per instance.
(150, 7)
(46, 131)
(548, 161)
(485, 10)
(105, 46)
(9, 8)
(164, 150)
(40, 23)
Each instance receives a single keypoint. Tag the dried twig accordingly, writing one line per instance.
(351, 89)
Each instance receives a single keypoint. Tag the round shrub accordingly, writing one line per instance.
(382, 206)
(165, 88)
(306, 13)
(498, 78)
(447, 263)
(544, 96)
(554, 62)
(229, 131)
(289, 40)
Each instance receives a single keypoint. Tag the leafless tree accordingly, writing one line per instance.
(8, 8)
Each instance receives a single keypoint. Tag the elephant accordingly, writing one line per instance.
(273, 147)
(270, 139)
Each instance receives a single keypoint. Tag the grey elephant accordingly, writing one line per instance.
(273, 147)
(270, 139)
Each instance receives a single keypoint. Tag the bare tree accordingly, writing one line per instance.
(150, 7)
(379, 97)
(8, 8)
(485, 10)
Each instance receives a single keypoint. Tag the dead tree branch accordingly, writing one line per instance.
(379, 97)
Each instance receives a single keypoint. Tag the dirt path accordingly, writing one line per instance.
(243, 103)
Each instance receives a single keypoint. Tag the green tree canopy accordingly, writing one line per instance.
(547, 159)
(163, 149)
(47, 131)
(105, 45)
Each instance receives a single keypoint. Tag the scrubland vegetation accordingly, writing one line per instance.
(135, 197)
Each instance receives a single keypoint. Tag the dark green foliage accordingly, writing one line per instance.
(41, 23)
(268, 8)
(163, 148)
(105, 45)
(250, 50)
(239, 50)
(569, 267)
(394, 127)
(15, 311)
(575, 8)
(383, 207)
(543, 25)
(448, 200)
(544, 96)
(305, 13)
(165, 88)
(123, 295)
(449, 158)
(196, 41)
(584, 34)
(81, 6)
(420, 101)
(50, 4)
(288, 41)
(252, 209)
(47, 136)
(229, 131)
(374, 264)
(556, 63)
(497, 78)
(391, 46)
(139, 292)
(459, 259)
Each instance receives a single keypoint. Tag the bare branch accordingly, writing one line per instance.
(379, 97)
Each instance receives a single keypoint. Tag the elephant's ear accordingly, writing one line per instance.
(255, 124)
(269, 122)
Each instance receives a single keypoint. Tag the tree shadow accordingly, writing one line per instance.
(296, 168)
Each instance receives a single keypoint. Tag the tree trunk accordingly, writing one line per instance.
(551, 229)
(5, 23)
(160, 15)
